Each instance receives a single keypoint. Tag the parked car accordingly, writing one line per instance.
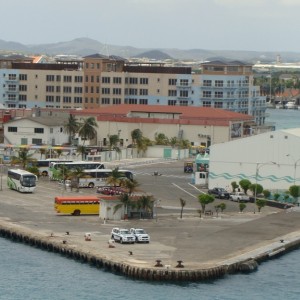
(122, 235)
(219, 193)
(140, 235)
(240, 197)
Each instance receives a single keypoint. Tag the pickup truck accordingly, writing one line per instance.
(219, 193)
(239, 197)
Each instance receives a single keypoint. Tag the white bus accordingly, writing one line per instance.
(98, 177)
(22, 181)
(55, 172)
(44, 164)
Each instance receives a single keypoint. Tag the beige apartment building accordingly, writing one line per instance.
(99, 81)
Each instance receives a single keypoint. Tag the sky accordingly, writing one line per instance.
(258, 25)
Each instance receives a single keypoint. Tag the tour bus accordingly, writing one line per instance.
(98, 177)
(85, 205)
(22, 181)
(44, 164)
(55, 168)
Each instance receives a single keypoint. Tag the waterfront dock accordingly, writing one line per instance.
(187, 249)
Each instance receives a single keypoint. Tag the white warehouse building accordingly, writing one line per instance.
(270, 159)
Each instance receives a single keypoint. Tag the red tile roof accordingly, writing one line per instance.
(187, 114)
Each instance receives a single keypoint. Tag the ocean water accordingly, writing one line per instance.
(32, 274)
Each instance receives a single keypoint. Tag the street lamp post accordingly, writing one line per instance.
(258, 166)
(295, 166)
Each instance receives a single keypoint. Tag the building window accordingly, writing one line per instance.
(172, 93)
(117, 91)
(23, 77)
(78, 90)
(116, 101)
(218, 104)
(105, 101)
(143, 101)
(37, 141)
(219, 83)
(183, 103)
(184, 94)
(184, 82)
(172, 102)
(206, 103)
(130, 101)
(105, 79)
(67, 78)
(207, 82)
(50, 77)
(67, 99)
(49, 98)
(22, 88)
(105, 91)
(67, 89)
(77, 99)
(38, 130)
(78, 79)
(117, 80)
(206, 94)
(23, 97)
(143, 80)
(49, 89)
(12, 129)
(218, 94)
(57, 99)
(133, 92)
(143, 92)
(11, 97)
(12, 76)
(58, 78)
(172, 81)
(12, 87)
(133, 80)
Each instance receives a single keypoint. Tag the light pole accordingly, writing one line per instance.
(295, 166)
(258, 166)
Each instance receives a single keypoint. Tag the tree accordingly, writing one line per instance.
(130, 185)
(295, 192)
(182, 204)
(23, 158)
(242, 206)
(115, 178)
(136, 135)
(74, 176)
(142, 144)
(72, 127)
(43, 151)
(205, 199)
(222, 206)
(81, 149)
(145, 203)
(125, 202)
(245, 185)
(234, 185)
(161, 139)
(87, 129)
(256, 188)
(276, 196)
(266, 193)
(58, 152)
(260, 203)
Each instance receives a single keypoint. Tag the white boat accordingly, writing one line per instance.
(290, 105)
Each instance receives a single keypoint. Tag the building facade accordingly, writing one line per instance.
(99, 81)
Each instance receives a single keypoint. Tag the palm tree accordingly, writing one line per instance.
(82, 150)
(75, 176)
(58, 152)
(71, 127)
(125, 201)
(129, 185)
(23, 158)
(87, 129)
(113, 143)
(43, 151)
(115, 178)
(142, 145)
(145, 203)
(182, 204)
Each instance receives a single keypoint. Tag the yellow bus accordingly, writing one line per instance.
(85, 205)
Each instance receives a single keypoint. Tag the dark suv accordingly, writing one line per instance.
(219, 193)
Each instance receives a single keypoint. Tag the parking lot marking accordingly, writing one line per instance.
(184, 190)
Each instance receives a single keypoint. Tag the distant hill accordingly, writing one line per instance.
(87, 46)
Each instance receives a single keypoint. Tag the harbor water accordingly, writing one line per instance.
(30, 273)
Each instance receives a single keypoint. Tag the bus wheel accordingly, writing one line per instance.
(91, 185)
(76, 212)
